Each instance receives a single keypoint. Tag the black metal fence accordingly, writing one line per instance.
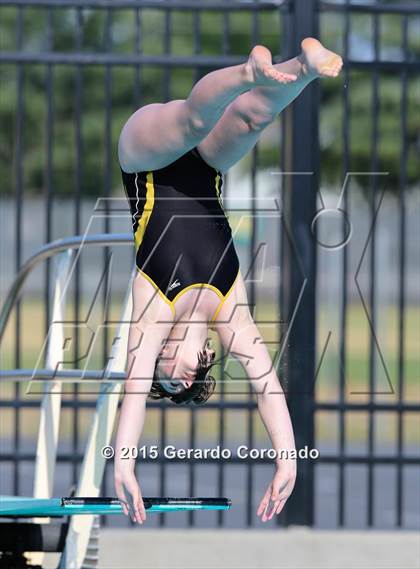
(69, 63)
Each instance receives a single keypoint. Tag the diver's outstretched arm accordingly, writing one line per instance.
(144, 345)
(242, 339)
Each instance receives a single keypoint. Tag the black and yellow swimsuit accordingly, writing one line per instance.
(182, 236)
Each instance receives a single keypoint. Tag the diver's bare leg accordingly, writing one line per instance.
(182, 124)
(245, 118)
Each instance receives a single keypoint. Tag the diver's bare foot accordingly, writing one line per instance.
(260, 70)
(319, 61)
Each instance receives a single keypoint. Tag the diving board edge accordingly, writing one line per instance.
(11, 506)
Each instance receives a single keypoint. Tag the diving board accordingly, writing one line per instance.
(18, 507)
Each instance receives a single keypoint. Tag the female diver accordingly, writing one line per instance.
(188, 279)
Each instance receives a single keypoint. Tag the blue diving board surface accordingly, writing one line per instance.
(18, 506)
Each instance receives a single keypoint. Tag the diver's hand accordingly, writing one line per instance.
(125, 480)
(278, 490)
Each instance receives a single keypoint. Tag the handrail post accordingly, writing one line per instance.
(93, 465)
(49, 422)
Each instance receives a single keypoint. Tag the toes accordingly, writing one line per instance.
(332, 68)
(289, 78)
(274, 75)
(283, 77)
(268, 72)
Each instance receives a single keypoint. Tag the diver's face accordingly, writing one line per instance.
(178, 367)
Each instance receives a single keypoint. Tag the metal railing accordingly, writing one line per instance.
(46, 252)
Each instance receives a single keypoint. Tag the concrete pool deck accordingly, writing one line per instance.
(295, 548)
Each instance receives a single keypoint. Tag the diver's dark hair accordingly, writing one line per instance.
(201, 389)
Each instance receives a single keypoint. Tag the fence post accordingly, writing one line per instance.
(298, 262)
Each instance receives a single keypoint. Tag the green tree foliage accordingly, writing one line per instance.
(82, 93)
